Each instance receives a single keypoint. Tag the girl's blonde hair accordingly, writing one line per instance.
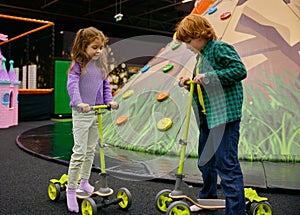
(83, 38)
(194, 26)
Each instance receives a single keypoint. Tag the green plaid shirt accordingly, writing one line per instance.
(223, 94)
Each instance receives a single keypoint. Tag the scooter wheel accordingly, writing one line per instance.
(178, 207)
(124, 194)
(88, 207)
(258, 208)
(53, 191)
(163, 200)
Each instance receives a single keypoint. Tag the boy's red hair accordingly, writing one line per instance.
(194, 26)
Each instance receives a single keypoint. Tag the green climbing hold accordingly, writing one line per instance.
(175, 46)
(167, 67)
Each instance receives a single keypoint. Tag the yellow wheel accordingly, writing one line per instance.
(178, 208)
(260, 208)
(88, 207)
(163, 200)
(125, 196)
(53, 191)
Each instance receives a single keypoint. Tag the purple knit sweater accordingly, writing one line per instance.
(89, 88)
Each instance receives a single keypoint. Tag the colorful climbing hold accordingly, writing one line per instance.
(164, 124)
(121, 120)
(145, 68)
(176, 45)
(212, 10)
(167, 67)
(225, 15)
(162, 96)
(127, 94)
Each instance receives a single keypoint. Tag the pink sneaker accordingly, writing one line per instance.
(85, 186)
(72, 200)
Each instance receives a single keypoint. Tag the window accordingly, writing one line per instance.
(6, 98)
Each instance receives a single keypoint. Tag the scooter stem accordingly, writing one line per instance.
(101, 185)
(186, 128)
(102, 158)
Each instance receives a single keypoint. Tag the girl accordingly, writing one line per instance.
(87, 86)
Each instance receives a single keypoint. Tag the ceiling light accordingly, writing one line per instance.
(118, 17)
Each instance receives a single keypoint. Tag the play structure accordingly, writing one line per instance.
(9, 85)
(30, 50)
(28, 75)
(44, 24)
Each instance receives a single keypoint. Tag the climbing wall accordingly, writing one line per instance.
(265, 36)
(153, 106)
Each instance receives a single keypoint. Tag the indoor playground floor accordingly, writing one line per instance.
(54, 143)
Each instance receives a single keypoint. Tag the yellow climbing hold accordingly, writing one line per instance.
(164, 124)
(127, 94)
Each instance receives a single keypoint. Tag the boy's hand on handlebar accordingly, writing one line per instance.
(113, 105)
(182, 82)
(83, 107)
(201, 79)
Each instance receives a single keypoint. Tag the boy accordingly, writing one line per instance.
(218, 75)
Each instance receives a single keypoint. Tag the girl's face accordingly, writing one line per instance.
(94, 49)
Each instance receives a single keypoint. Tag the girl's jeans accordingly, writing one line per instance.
(85, 133)
(218, 155)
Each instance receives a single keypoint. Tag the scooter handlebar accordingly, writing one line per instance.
(189, 82)
(96, 108)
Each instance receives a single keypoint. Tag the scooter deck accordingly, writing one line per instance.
(208, 204)
(82, 195)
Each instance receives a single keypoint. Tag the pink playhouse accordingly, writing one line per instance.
(9, 85)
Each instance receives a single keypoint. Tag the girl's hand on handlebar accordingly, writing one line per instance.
(113, 105)
(83, 107)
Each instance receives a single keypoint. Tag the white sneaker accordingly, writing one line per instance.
(195, 208)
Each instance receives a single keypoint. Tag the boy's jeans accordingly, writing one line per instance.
(218, 154)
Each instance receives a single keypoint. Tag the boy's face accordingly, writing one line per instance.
(94, 49)
(198, 44)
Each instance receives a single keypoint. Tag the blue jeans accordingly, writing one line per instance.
(218, 155)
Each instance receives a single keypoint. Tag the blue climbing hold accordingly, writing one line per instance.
(145, 68)
(212, 10)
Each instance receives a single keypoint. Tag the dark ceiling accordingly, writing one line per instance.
(140, 17)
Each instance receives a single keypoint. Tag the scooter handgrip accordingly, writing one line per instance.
(185, 83)
(189, 82)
